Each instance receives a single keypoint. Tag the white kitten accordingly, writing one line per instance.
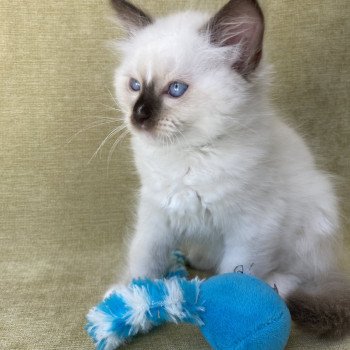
(221, 174)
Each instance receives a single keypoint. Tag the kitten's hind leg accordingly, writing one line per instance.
(284, 283)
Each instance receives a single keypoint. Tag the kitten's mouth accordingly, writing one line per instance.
(164, 130)
(143, 123)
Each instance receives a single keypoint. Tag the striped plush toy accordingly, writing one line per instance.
(233, 311)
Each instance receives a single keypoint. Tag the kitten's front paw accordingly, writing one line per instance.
(185, 202)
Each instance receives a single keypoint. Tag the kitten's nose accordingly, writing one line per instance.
(146, 109)
(141, 114)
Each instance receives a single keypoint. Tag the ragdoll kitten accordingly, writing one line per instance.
(221, 174)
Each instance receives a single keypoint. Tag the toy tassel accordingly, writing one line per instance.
(137, 308)
(141, 306)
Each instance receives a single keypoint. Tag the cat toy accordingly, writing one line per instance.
(233, 311)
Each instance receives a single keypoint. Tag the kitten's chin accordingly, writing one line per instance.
(155, 137)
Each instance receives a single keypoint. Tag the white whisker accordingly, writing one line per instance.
(113, 98)
(90, 126)
(111, 107)
(114, 146)
(111, 134)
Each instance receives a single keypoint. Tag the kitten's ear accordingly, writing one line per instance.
(240, 22)
(131, 17)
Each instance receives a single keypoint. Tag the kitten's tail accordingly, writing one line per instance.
(323, 308)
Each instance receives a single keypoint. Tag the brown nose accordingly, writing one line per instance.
(142, 116)
(146, 109)
(141, 113)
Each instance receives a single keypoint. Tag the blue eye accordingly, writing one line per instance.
(177, 89)
(135, 85)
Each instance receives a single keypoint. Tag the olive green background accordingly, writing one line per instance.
(63, 219)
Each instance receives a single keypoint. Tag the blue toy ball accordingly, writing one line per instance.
(233, 311)
(242, 312)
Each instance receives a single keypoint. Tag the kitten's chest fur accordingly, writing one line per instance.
(178, 185)
(195, 188)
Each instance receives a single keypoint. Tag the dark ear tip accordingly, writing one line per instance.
(117, 3)
(131, 15)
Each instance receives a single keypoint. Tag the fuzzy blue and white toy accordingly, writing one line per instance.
(233, 311)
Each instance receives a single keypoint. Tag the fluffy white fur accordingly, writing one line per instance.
(221, 174)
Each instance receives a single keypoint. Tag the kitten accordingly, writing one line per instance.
(220, 173)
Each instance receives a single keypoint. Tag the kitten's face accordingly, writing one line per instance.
(174, 85)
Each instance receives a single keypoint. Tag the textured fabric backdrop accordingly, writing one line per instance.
(63, 219)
